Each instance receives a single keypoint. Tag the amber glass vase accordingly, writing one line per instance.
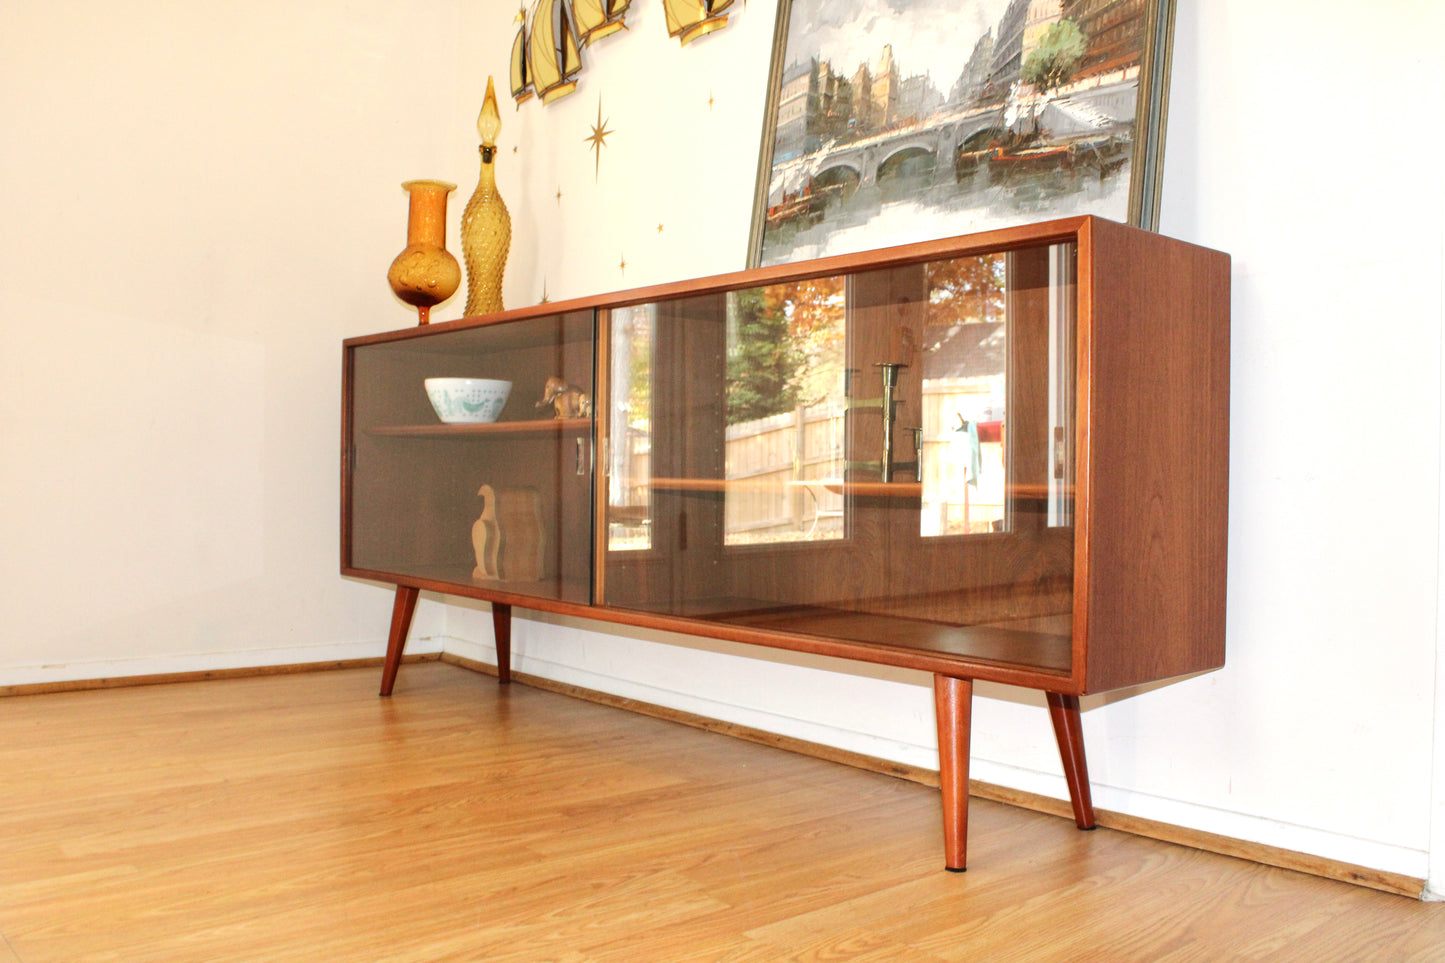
(426, 273)
(486, 225)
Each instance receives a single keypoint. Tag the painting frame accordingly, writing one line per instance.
(1129, 188)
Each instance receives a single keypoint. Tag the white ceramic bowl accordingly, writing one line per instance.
(467, 400)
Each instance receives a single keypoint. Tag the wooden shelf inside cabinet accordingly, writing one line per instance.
(460, 580)
(1004, 644)
(871, 489)
(537, 427)
(890, 489)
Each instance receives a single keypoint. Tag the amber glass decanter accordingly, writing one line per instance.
(425, 273)
(486, 225)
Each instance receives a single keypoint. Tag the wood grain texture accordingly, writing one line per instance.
(1386, 882)
(403, 607)
(1069, 734)
(300, 818)
(200, 675)
(1141, 578)
(953, 708)
(549, 426)
(1156, 375)
(984, 242)
(502, 640)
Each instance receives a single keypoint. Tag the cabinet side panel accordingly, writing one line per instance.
(1157, 508)
(348, 374)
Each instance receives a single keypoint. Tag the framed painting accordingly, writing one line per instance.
(891, 121)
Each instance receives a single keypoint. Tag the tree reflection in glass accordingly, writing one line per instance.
(784, 447)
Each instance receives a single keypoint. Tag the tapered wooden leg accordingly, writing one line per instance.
(401, 612)
(1069, 731)
(502, 630)
(953, 707)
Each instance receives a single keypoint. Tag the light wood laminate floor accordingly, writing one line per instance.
(302, 818)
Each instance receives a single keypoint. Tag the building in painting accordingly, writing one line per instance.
(795, 97)
(917, 98)
(832, 106)
(885, 90)
(1114, 31)
(862, 84)
(1008, 49)
(1020, 30)
(974, 83)
(1040, 16)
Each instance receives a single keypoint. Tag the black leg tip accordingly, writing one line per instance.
(959, 869)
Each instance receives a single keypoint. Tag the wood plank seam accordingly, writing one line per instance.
(203, 675)
(1399, 884)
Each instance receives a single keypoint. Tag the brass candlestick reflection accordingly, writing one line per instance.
(886, 466)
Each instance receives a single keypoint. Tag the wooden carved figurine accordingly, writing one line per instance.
(508, 537)
(487, 538)
(568, 401)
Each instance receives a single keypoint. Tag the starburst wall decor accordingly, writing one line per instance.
(598, 140)
(547, 52)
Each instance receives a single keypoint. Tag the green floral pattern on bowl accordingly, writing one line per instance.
(467, 400)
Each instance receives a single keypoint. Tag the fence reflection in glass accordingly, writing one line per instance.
(799, 385)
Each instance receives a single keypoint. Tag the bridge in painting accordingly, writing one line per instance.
(1101, 109)
(939, 138)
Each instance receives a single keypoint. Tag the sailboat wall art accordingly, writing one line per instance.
(596, 19)
(688, 20)
(553, 58)
(547, 51)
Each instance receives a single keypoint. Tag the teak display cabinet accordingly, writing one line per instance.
(1000, 457)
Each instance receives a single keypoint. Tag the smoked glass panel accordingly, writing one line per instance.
(882, 456)
(505, 504)
(965, 392)
(783, 452)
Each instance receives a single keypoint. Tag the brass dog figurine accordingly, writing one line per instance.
(568, 401)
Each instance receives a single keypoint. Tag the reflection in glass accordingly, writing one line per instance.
(784, 446)
(965, 391)
(629, 471)
(503, 504)
(765, 452)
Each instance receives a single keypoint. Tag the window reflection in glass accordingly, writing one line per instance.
(629, 471)
(965, 390)
(765, 418)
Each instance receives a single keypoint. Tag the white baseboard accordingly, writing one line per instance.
(700, 704)
(90, 670)
(1220, 822)
(1192, 816)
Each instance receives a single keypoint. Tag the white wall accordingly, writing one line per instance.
(1318, 736)
(201, 200)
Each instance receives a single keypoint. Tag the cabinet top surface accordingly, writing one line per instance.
(1079, 229)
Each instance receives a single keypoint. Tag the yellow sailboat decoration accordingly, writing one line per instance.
(521, 76)
(546, 53)
(599, 18)
(690, 19)
(552, 55)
